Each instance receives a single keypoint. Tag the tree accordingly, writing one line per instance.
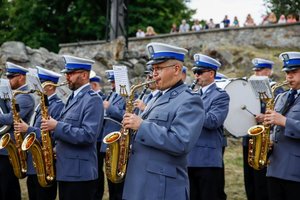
(47, 23)
(284, 7)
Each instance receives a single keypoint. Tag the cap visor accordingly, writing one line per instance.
(289, 69)
(201, 68)
(153, 62)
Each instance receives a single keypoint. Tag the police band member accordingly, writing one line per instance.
(35, 191)
(255, 180)
(205, 161)
(142, 103)
(76, 132)
(96, 85)
(9, 184)
(283, 172)
(165, 132)
(114, 106)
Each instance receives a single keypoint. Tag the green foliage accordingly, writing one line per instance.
(46, 23)
(284, 7)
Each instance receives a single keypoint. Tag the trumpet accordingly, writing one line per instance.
(47, 83)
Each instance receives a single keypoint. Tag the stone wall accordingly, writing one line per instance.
(233, 47)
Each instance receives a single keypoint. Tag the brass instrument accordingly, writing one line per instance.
(117, 150)
(42, 153)
(194, 84)
(260, 144)
(17, 157)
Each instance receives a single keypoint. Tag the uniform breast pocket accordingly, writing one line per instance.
(72, 119)
(159, 118)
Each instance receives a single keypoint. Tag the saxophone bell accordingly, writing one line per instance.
(256, 130)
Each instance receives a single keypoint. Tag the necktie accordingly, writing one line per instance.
(201, 92)
(70, 98)
(289, 102)
(292, 96)
(158, 95)
(149, 97)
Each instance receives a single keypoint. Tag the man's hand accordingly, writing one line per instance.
(131, 121)
(21, 127)
(272, 117)
(139, 104)
(48, 124)
(106, 104)
(260, 118)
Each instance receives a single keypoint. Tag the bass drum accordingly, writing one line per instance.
(243, 105)
(3, 110)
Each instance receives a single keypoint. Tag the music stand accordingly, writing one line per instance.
(261, 87)
(121, 79)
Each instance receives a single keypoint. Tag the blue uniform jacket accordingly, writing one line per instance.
(157, 167)
(285, 158)
(76, 135)
(208, 150)
(26, 104)
(55, 107)
(115, 111)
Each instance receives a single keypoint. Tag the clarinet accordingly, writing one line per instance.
(193, 84)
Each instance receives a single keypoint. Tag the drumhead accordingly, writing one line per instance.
(239, 120)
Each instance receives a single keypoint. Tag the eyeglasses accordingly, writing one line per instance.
(12, 76)
(200, 72)
(160, 68)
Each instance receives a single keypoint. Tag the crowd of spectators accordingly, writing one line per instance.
(225, 23)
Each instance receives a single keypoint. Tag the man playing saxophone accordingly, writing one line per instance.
(283, 172)
(76, 132)
(50, 79)
(9, 184)
(165, 132)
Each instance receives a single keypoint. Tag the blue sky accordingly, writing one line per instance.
(217, 9)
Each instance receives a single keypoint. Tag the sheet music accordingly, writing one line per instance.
(5, 89)
(260, 85)
(63, 92)
(33, 80)
(121, 78)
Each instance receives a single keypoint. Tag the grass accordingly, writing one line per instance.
(234, 178)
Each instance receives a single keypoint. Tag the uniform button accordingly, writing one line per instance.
(277, 130)
(292, 134)
(143, 140)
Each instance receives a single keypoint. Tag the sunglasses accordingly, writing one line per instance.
(199, 72)
(12, 76)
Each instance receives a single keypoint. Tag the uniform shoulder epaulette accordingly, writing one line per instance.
(192, 92)
(59, 100)
(220, 89)
(92, 93)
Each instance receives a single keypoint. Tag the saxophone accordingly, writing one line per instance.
(118, 143)
(260, 144)
(17, 157)
(42, 153)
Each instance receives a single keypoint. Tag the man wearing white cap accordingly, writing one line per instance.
(165, 132)
(76, 132)
(55, 105)
(256, 180)
(205, 161)
(9, 184)
(283, 171)
(114, 105)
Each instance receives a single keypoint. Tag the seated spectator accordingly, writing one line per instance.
(281, 20)
(272, 19)
(291, 19)
(150, 31)
(140, 33)
(236, 22)
(211, 24)
(184, 27)
(196, 26)
(226, 22)
(174, 28)
(249, 21)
